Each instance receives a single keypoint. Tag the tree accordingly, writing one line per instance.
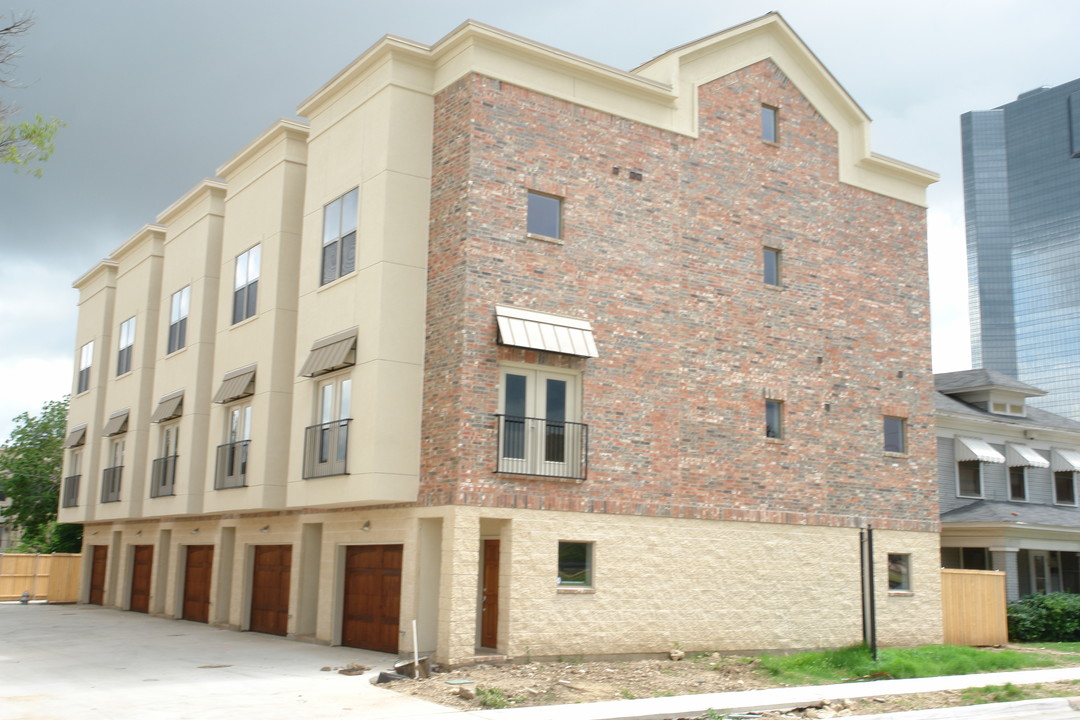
(30, 465)
(22, 144)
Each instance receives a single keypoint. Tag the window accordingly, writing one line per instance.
(246, 284)
(899, 573)
(86, 360)
(112, 475)
(774, 419)
(771, 257)
(339, 237)
(1065, 488)
(1018, 482)
(178, 314)
(233, 454)
(968, 558)
(326, 443)
(163, 472)
(894, 430)
(544, 215)
(71, 482)
(969, 478)
(575, 564)
(536, 432)
(770, 131)
(127, 340)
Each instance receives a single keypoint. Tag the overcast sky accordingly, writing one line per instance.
(157, 94)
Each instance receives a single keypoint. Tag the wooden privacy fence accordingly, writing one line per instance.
(973, 607)
(46, 577)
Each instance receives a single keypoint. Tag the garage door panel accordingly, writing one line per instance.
(372, 602)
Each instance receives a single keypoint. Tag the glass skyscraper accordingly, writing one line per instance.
(1022, 205)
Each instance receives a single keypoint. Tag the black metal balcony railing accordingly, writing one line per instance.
(163, 477)
(231, 465)
(70, 496)
(548, 448)
(326, 449)
(110, 483)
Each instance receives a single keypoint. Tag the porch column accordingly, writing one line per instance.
(1006, 560)
(458, 580)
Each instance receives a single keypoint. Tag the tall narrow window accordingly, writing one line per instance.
(1065, 488)
(1018, 482)
(113, 475)
(327, 442)
(969, 478)
(86, 360)
(178, 315)
(339, 237)
(774, 419)
(246, 284)
(124, 347)
(233, 454)
(894, 434)
(769, 127)
(771, 265)
(544, 215)
(163, 471)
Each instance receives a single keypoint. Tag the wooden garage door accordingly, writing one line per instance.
(372, 606)
(270, 589)
(140, 578)
(97, 574)
(200, 562)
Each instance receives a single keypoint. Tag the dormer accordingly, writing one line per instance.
(988, 390)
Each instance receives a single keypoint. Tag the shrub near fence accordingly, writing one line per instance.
(1045, 618)
(54, 578)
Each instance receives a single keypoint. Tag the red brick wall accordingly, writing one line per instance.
(668, 270)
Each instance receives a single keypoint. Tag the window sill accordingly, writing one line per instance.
(1067, 505)
(337, 280)
(774, 287)
(892, 454)
(546, 238)
(969, 497)
(245, 321)
(575, 591)
(177, 351)
(776, 440)
(901, 593)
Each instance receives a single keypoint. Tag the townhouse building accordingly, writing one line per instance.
(548, 357)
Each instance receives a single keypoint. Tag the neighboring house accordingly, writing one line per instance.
(548, 357)
(1008, 483)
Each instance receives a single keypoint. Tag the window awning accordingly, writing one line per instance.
(1024, 456)
(972, 449)
(76, 437)
(331, 353)
(1065, 461)
(169, 407)
(236, 384)
(545, 331)
(117, 424)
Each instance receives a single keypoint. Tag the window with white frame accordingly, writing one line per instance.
(86, 361)
(232, 457)
(72, 480)
(339, 236)
(246, 284)
(969, 478)
(179, 306)
(539, 432)
(1065, 488)
(899, 572)
(163, 472)
(1018, 483)
(575, 564)
(113, 474)
(125, 345)
(326, 444)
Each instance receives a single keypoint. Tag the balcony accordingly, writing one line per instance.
(110, 483)
(231, 465)
(163, 477)
(326, 449)
(70, 496)
(546, 448)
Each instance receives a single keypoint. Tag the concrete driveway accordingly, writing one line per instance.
(72, 662)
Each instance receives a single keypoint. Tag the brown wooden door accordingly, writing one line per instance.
(141, 567)
(97, 574)
(372, 608)
(197, 572)
(270, 589)
(489, 608)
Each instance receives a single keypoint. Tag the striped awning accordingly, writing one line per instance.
(169, 407)
(1065, 461)
(980, 450)
(1024, 456)
(236, 384)
(331, 353)
(545, 331)
(117, 424)
(76, 437)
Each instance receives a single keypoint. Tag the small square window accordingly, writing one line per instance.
(575, 564)
(770, 124)
(969, 478)
(771, 266)
(899, 572)
(544, 215)
(1018, 483)
(774, 419)
(895, 431)
(1065, 488)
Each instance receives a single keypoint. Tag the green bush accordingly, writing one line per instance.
(1045, 618)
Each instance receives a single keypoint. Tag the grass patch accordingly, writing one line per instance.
(491, 697)
(996, 694)
(855, 663)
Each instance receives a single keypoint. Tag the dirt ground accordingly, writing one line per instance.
(551, 683)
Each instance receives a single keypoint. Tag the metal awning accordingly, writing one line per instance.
(545, 331)
(1024, 456)
(117, 424)
(76, 437)
(331, 353)
(169, 407)
(1065, 461)
(236, 384)
(974, 449)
